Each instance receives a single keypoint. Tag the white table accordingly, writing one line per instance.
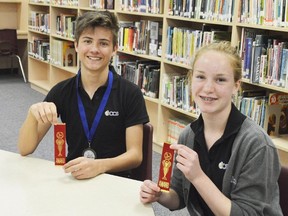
(36, 187)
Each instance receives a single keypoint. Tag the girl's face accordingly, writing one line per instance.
(95, 49)
(213, 83)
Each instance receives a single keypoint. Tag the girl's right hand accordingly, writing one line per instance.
(149, 192)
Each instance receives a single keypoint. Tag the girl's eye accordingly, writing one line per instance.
(221, 80)
(199, 76)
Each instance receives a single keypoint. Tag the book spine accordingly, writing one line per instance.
(256, 63)
(247, 57)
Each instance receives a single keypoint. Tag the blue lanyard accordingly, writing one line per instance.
(90, 133)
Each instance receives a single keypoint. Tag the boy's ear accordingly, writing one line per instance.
(76, 45)
(115, 48)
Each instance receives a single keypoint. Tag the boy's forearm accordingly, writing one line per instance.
(28, 135)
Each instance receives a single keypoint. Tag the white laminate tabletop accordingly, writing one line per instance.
(35, 187)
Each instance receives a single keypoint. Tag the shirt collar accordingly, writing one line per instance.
(234, 123)
(115, 77)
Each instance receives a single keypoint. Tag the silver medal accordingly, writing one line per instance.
(89, 153)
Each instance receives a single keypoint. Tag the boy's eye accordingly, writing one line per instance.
(87, 41)
(104, 43)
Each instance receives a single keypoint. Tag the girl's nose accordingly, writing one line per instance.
(208, 86)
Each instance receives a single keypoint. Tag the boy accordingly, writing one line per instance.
(104, 113)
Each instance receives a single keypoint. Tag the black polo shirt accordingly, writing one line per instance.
(125, 107)
(215, 161)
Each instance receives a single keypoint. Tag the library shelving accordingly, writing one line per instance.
(203, 25)
(13, 14)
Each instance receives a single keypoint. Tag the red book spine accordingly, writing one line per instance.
(60, 143)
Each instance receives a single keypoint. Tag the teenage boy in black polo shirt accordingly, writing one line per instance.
(104, 113)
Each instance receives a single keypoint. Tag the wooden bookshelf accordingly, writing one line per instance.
(43, 75)
(13, 15)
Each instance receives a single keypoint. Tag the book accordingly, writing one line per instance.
(109, 4)
(246, 32)
(68, 54)
(253, 104)
(148, 77)
(154, 40)
(154, 83)
(284, 68)
(259, 48)
(121, 34)
(277, 114)
(247, 57)
(140, 66)
(263, 69)
(218, 35)
(70, 57)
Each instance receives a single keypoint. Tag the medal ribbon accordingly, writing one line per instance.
(90, 133)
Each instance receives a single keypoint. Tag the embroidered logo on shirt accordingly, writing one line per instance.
(222, 165)
(233, 180)
(111, 113)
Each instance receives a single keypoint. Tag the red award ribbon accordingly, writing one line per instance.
(60, 143)
(166, 165)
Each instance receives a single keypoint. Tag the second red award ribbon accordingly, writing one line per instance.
(166, 165)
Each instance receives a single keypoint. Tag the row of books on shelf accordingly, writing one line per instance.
(264, 58)
(39, 21)
(96, 4)
(175, 126)
(143, 37)
(144, 73)
(143, 6)
(270, 112)
(65, 25)
(102, 4)
(182, 43)
(40, 1)
(176, 93)
(65, 2)
(264, 12)
(203, 9)
(63, 53)
(39, 48)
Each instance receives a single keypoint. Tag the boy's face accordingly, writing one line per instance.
(95, 49)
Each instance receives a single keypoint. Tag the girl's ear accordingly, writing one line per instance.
(237, 87)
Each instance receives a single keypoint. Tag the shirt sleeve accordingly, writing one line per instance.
(254, 190)
(135, 108)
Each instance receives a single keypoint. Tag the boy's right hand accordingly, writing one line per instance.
(44, 112)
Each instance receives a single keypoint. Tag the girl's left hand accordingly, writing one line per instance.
(187, 161)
